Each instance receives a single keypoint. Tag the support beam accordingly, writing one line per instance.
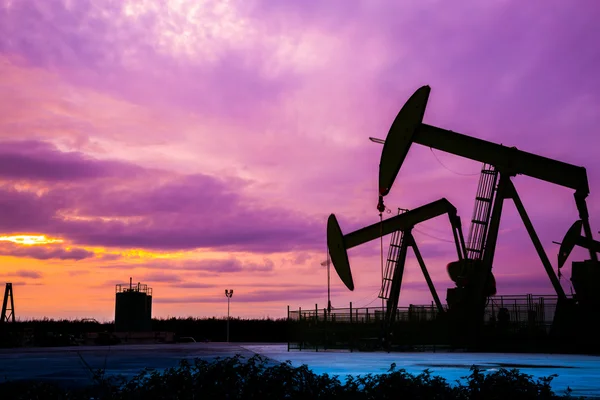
(338, 243)
(494, 228)
(512, 193)
(398, 223)
(492, 238)
(459, 239)
(436, 298)
(503, 157)
(593, 245)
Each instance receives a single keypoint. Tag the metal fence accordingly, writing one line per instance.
(523, 309)
(517, 313)
(519, 308)
(362, 315)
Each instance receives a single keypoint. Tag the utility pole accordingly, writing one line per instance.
(328, 283)
(228, 293)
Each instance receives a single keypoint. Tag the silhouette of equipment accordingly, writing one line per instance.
(584, 274)
(473, 275)
(339, 243)
(8, 305)
(574, 238)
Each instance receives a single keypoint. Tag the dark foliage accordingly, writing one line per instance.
(211, 329)
(215, 329)
(258, 378)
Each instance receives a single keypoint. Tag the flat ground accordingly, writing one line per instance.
(67, 364)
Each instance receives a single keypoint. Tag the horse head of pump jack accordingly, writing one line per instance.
(337, 251)
(400, 137)
(394, 152)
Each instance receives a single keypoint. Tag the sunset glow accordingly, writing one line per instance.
(29, 240)
(201, 145)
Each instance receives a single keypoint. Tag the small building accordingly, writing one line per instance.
(133, 308)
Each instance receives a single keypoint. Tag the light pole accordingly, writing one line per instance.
(228, 293)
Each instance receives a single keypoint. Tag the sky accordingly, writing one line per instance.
(199, 145)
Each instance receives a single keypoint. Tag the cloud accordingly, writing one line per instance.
(235, 265)
(175, 214)
(194, 285)
(301, 259)
(240, 125)
(37, 160)
(109, 256)
(263, 296)
(160, 277)
(214, 266)
(128, 36)
(44, 252)
(26, 274)
(174, 280)
(22, 283)
(78, 272)
(535, 283)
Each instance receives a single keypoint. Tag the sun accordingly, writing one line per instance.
(30, 239)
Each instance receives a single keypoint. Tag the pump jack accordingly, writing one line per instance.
(585, 288)
(338, 244)
(468, 299)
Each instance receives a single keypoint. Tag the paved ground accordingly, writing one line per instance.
(67, 364)
(580, 373)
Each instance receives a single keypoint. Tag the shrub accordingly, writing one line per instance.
(260, 378)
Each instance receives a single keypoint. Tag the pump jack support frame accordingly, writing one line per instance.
(338, 245)
(408, 128)
(392, 303)
(506, 190)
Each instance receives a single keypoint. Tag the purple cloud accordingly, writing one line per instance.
(45, 252)
(301, 259)
(21, 283)
(160, 277)
(175, 281)
(177, 214)
(194, 285)
(263, 296)
(26, 274)
(277, 99)
(91, 37)
(109, 256)
(35, 160)
(214, 266)
(78, 272)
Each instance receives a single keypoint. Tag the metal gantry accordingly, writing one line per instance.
(8, 314)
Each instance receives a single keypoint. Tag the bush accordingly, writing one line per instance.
(213, 329)
(260, 378)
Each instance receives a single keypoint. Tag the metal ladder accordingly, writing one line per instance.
(482, 212)
(392, 261)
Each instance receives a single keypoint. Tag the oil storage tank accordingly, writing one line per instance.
(133, 308)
